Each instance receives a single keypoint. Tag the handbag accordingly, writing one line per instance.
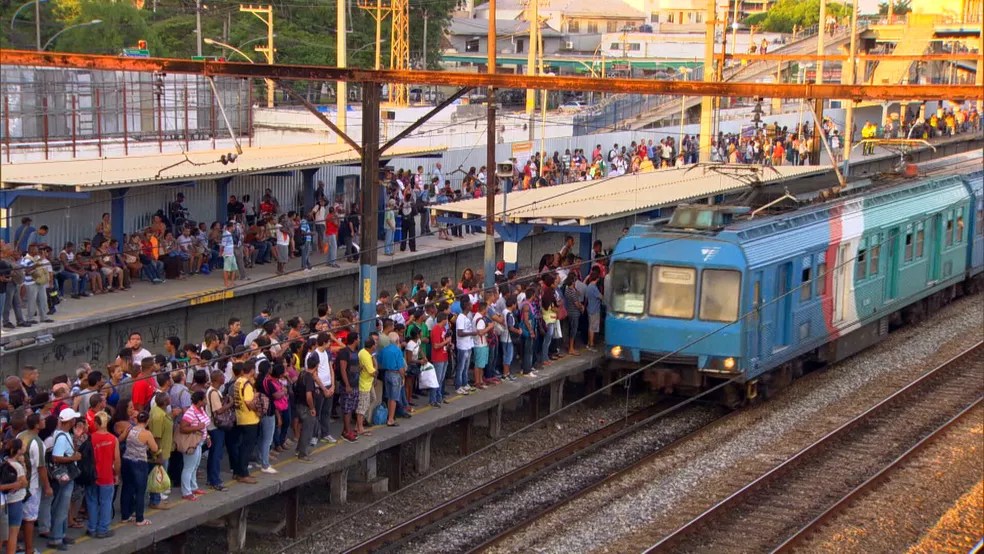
(60, 474)
(428, 377)
(187, 443)
(158, 481)
(223, 420)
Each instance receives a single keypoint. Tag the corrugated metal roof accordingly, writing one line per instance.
(106, 173)
(591, 201)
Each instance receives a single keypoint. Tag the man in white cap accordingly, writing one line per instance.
(63, 452)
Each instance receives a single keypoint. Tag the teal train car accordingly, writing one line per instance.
(720, 294)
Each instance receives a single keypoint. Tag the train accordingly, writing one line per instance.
(740, 294)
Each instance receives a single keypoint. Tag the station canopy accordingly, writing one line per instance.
(588, 202)
(88, 174)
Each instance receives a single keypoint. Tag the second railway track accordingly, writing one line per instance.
(763, 514)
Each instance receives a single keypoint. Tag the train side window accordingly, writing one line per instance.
(720, 293)
(821, 278)
(875, 254)
(960, 227)
(908, 247)
(805, 287)
(920, 242)
(979, 226)
(949, 230)
(861, 265)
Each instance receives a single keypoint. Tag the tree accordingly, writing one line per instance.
(899, 7)
(122, 26)
(785, 14)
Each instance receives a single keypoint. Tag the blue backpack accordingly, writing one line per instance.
(379, 415)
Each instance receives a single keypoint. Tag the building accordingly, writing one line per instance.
(574, 17)
(470, 36)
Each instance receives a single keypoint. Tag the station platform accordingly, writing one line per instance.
(337, 461)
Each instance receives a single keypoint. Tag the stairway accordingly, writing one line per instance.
(915, 41)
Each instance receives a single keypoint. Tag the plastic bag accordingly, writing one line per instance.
(158, 481)
(379, 415)
(428, 377)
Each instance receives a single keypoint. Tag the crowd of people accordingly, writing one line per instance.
(77, 444)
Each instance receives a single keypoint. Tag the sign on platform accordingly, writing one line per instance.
(510, 252)
(522, 151)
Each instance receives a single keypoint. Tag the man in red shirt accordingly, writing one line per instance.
(439, 342)
(145, 385)
(331, 234)
(97, 403)
(99, 497)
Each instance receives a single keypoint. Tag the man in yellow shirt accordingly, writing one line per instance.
(161, 425)
(247, 422)
(367, 378)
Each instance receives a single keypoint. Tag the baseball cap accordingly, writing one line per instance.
(68, 414)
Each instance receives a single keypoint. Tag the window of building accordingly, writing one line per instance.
(616, 46)
(669, 17)
(920, 242)
(805, 286)
(472, 45)
(612, 26)
(654, 17)
(861, 265)
(720, 293)
(908, 247)
(690, 17)
(635, 46)
(592, 27)
(672, 291)
(520, 46)
(874, 255)
(573, 26)
(699, 18)
(821, 279)
(628, 288)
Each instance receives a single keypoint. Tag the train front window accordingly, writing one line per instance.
(720, 293)
(629, 288)
(673, 291)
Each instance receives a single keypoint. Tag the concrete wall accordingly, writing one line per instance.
(97, 343)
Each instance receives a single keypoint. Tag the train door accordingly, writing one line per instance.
(936, 248)
(784, 304)
(892, 266)
(754, 336)
(842, 283)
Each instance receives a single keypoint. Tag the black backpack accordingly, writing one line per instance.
(87, 464)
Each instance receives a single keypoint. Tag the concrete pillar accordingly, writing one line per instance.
(606, 381)
(292, 501)
(495, 421)
(366, 471)
(396, 468)
(464, 447)
(422, 453)
(534, 397)
(117, 213)
(236, 529)
(338, 487)
(176, 544)
(557, 395)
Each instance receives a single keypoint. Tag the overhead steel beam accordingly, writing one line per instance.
(324, 119)
(809, 57)
(857, 92)
(413, 126)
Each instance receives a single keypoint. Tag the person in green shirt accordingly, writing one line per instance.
(367, 378)
(161, 425)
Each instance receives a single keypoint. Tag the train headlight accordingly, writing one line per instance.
(729, 363)
(616, 352)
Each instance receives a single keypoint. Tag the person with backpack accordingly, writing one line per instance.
(221, 421)
(27, 426)
(63, 469)
(13, 484)
(107, 466)
(307, 397)
(247, 421)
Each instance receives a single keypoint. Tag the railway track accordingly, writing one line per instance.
(553, 463)
(780, 508)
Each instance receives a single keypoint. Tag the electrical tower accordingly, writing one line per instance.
(400, 49)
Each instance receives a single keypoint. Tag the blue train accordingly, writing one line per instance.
(721, 293)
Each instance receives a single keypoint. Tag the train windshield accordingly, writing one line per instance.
(720, 291)
(628, 285)
(673, 291)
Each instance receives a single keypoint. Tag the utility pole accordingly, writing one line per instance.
(198, 26)
(378, 11)
(37, 25)
(368, 256)
(264, 14)
(490, 161)
(818, 103)
(400, 49)
(424, 56)
(533, 17)
(851, 79)
(341, 59)
(707, 102)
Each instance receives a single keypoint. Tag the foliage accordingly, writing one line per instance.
(305, 30)
(900, 7)
(785, 14)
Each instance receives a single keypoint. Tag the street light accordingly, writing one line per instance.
(212, 42)
(70, 27)
(37, 20)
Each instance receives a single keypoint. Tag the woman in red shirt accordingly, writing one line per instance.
(99, 497)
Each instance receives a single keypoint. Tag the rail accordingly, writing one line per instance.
(669, 542)
(401, 533)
